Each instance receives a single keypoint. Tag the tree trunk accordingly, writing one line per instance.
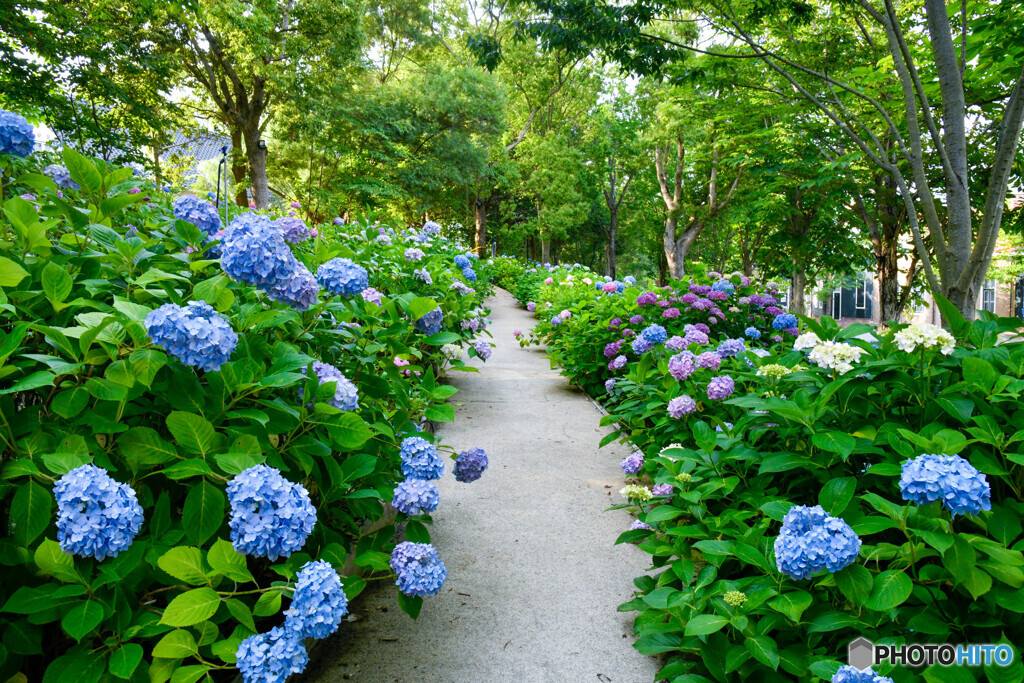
(613, 229)
(238, 168)
(545, 250)
(673, 259)
(796, 303)
(257, 165)
(157, 175)
(480, 217)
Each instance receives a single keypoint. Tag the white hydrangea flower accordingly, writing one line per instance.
(587, 281)
(838, 356)
(807, 340)
(924, 335)
(451, 351)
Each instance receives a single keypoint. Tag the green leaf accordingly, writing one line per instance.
(420, 306)
(184, 563)
(977, 583)
(268, 604)
(891, 589)
(855, 582)
(763, 650)
(835, 442)
(70, 402)
(10, 272)
(441, 338)
(143, 448)
(224, 559)
(125, 659)
(960, 559)
(191, 607)
(703, 624)
(54, 562)
(793, 605)
(30, 512)
(349, 431)
(704, 436)
(440, 413)
(42, 378)
(177, 644)
(192, 432)
(82, 170)
(241, 612)
(57, 284)
(82, 619)
(836, 495)
(662, 513)
(189, 674)
(410, 605)
(203, 513)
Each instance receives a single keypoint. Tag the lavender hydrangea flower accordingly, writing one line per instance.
(254, 252)
(609, 385)
(195, 334)
(61, 177)
(632, 464)
(721, 388)
(849, 674)
(731, 347)
(420, 459)
(413, 254)
(636, 320)
(811, 540)
(371, 295)
(270, 516)
(423, 275)
(483, 349)
(430, 228)
(637, 525)
(663, 489)
(342, 276)
(418, 568)
(675, 343)
(300, 290)
(641, 346)
(710, 360)
(470, 465)
(617, 363)
(346, 395)
(96, 515)
(293, 230)
(681, 405)
(681, 366)
(416, 496)
(318, 603)
(17, 136)
(531, 306)
(271, 657)
(431, 322)
(960, 487)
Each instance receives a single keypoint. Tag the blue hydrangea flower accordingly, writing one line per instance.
(61, 177)
(423, 275)
(343, 276)
(599, 286)
(420, 459)
(416, 496)
(641, 345)
(812, 540)
(16, 134)
(470, 465)
(271, 657)
(300, 290)
(784, 321)
(752, 333)
(849, 674)
(253, 251)
(469, 274)
(413, 254)
(418, 568)
(723, 286)
(195, 334)
(483, 349)
(318, 603)
(654, 334)
(461, 261)
(633, 464)
(96, 515)
(431, 322)
(294, 230)
(270, 516)
(198, 212)
(960, 487)
(731, 347)
(346, 395)
(629, 280)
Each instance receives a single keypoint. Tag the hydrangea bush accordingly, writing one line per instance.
(198, 432)
(839, 482)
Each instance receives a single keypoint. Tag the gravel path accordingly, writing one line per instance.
(533, 576)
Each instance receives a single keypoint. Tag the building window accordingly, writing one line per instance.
(860, 296)
(988, 296)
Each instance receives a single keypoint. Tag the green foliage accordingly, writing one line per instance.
(81, 382)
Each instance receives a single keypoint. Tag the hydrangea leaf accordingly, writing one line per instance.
(191, 607)
(224, 559)
(184, 563)
(30, 512)
(124, 660)
(177, 644)
(82, 619)
(192, 432)
(891, 588)
(204, 512)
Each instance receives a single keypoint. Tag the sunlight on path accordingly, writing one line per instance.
(533, 576)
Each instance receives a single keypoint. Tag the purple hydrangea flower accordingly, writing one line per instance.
(633, 464)
(609, 385)
(294, 230)
(531, 307)
(413, 255)
(721, 388)
(431, 322)
(710, 360)
(731, 347)
(681, 405)
(637, 525)
(663, 489)
(371, 295)
(681, 366)
(617, 363)
(612, 349)
(300, 290)
(470, 465)
(646, 299)
(346, 396)
(670, 313)
(61, 177)
(675, 343)
(614, 322)
(628, 332)
(641, 345)
(636, 320)
(483, 349)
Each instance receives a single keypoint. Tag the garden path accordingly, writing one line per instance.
(533, 576)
